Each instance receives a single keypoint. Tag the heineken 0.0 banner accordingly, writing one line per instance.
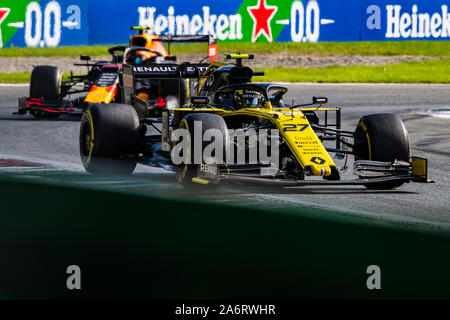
(25, 23)
(53, 23)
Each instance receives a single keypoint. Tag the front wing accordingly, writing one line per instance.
(368, 172)
(50, 107)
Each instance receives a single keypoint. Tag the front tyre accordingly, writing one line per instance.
(109, 139)
(189, 169)
(382, 137)
(46, 84)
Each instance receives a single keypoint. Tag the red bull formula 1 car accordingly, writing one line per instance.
(52, 95)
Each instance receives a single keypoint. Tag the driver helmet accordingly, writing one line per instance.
(248, 99)
(139, 57)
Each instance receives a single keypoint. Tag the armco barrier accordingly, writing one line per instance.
(64, 22)
(134, 246)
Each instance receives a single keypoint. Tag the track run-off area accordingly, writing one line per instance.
(48, 150)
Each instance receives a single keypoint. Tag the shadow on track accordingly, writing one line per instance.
(321, 190)
(165, 184)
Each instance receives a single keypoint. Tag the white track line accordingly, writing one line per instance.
(307, 84)
(444, 114)
(14, 85)
(56, 165)
(360, 84)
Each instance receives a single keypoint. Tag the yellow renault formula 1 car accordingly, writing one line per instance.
(234, 129)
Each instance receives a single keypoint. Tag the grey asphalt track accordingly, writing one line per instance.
(424, 205)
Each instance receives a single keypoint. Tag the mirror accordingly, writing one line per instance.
(199, 100)
(319, 100)
(171, 58)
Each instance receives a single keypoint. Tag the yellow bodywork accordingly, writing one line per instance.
(419, 168)
(204, 77)
(296, 131)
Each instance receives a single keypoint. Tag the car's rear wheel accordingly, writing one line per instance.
(45, 84)
(109, 139)
(189, 168)
(381, 137)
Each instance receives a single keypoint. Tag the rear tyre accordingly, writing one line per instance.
(109, 139)
(382, 137)
(45, 84)
(186, 172)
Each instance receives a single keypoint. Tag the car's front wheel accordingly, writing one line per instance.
(109, 139)
(188, 170)
(382, 137)
(45, 84)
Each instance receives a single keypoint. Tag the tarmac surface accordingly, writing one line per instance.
(52, 147)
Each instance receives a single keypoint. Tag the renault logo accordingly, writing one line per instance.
(317, 160)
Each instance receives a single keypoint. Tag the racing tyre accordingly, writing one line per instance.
(45, 84)
(109, 139)
(186, 172)
(382, 137)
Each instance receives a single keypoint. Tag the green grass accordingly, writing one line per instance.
(22, 77)
(15, 77)
(69, 51)
(388, 48)
(435, 71)
(415, 48)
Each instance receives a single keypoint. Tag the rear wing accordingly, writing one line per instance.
(157, 71)
(210, 39)
(188, 38)
(168, 70)
(169, 38)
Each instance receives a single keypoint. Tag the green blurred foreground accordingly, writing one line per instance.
(137, 246)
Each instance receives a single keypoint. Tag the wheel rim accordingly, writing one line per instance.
(87, 139)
